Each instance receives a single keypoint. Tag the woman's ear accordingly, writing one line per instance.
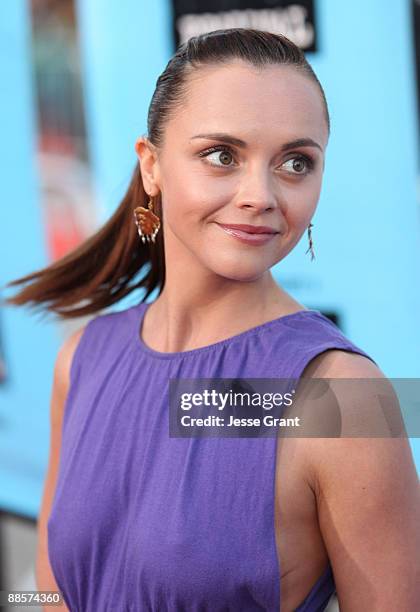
(149, 165)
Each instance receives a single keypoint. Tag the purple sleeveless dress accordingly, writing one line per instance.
(144, 522)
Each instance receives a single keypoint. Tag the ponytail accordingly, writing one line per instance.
(102, 270)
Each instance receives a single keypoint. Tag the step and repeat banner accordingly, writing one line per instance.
(294, 19)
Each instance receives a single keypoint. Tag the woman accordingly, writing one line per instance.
(133, 519)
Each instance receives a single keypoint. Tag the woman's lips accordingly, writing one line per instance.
(248, 237)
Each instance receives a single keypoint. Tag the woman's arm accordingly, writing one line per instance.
(44, 576)
(368, 499)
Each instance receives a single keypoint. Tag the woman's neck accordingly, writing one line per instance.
(183, 319)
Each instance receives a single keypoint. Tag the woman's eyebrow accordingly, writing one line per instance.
(299, 142)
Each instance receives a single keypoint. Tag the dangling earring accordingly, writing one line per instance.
(311, 249)
(147, 222)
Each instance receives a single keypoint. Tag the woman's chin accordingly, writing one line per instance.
(241, 272)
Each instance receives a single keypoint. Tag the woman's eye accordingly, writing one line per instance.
(223, 154)
(299, 164)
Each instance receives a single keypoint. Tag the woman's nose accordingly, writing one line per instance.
(257, 192)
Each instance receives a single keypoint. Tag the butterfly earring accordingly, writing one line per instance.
(148, 223)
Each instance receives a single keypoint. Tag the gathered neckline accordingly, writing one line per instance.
(144, 348)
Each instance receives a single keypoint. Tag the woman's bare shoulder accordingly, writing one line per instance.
(358, 396)
(366, 486)
(65, 356)
(340, 363)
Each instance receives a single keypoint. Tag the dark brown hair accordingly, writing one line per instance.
(114, 261)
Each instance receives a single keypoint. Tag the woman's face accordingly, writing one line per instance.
(206, 181)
